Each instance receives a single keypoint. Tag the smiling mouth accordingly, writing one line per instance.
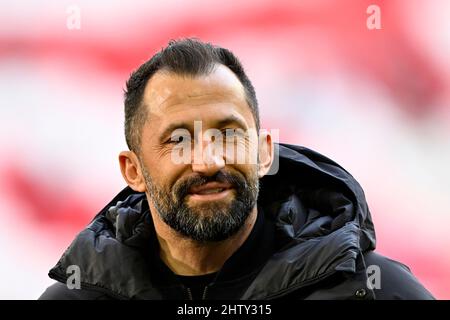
(211, 191)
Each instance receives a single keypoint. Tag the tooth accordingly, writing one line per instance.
(217, 190)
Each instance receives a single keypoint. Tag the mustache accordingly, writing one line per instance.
(182, 188)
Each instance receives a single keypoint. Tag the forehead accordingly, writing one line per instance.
(168, 93)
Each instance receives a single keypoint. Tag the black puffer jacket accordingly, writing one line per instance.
(323, 233)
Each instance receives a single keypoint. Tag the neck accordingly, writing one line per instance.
(189, 257)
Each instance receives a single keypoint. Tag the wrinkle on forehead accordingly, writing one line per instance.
(166, 89)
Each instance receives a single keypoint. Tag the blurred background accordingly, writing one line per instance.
(377, 101)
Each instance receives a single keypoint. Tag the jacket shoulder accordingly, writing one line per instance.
(59, 291)
(396, 281)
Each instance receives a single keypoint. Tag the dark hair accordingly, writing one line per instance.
(186, 57)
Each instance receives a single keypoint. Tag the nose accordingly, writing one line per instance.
(207, 160)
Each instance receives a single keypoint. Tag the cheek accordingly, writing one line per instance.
(158, 161)
(242, 151)
(249, 171)
(165, 175)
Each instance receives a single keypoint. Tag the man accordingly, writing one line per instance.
(195, 223)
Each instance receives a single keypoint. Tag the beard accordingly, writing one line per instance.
(207, 222)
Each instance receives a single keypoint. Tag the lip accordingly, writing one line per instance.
(211, 196)
(210, 186)
(195, 193)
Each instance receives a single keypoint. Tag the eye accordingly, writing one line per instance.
(178, 139)
(233, 133)
(228, 132)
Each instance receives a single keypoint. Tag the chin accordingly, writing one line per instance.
(206, 209)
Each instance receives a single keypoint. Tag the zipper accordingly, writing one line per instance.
(189, 293)
(204, 293)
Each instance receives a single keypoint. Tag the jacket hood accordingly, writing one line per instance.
(322, 219)
(322, 224)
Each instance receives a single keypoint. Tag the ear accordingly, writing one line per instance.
(131, 171)
(266, 153)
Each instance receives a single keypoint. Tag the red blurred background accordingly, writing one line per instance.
(376, 101)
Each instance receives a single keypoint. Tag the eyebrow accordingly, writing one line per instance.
(231, 119)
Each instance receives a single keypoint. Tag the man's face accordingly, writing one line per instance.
(207, 198)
